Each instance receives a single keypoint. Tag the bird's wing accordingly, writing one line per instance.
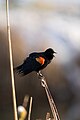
(31, 63)
(38, 57)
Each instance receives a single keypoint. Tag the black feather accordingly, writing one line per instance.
(30, 64)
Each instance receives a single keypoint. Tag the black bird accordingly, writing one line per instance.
(36, 62)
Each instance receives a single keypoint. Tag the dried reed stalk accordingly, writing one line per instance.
(11, 60)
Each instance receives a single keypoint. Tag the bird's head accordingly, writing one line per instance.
(49, 53)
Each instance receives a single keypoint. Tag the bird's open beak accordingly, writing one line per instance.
(55, 52)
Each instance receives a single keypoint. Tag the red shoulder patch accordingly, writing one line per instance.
(41, 60)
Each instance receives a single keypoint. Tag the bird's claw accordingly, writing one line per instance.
(40, 75)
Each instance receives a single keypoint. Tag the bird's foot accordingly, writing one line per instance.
(43, 81)
(40, 75)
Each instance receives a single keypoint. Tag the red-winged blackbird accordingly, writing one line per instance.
(36, 62)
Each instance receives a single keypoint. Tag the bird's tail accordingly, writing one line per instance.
(22, 70)
(18, 69)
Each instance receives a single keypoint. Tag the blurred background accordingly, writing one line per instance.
(35, 26)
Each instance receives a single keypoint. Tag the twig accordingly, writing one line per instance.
(11, 60)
